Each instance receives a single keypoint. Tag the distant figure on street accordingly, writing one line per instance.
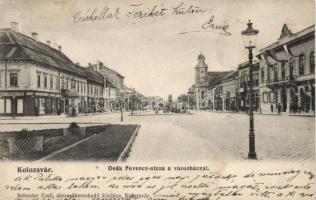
(271, 106)
(279, 108)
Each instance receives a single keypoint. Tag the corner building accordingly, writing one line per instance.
(36, 79)
(287, 73)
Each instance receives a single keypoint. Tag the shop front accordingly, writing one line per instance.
(16, 103)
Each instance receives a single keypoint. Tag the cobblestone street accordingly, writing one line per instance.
(201, 136)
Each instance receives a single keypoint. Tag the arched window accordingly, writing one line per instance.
(275, 77)
(283, 70)
(262, 75)
(301, 61)
(291, 66)
(312, 62)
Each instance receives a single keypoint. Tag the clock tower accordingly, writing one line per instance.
(201, 70)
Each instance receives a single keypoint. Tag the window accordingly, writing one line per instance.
(271, 97)
(8, 104)
(283, 70)
(275, 73)
(2, 104)
(45, 81)
(202, 95)
(13, 79)
(73, 84)
(255, 79)
(262, 75)
(67, 83)
(291, 66)
(268, 73)
(301, 64)
(19, 106)
(38, 80)
(265, 97)
(63, 83)
(312, 62)
(57, 83)
(51, 83)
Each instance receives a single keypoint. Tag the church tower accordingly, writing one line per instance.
(201, 70)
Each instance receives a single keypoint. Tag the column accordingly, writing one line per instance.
(223, 103)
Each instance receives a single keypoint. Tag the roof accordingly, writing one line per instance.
(93, 75)
(109, 84)
(215, 78)
(290, 38)
(230, 75)
(201, 56)
(246, 65)
(17, 46)
(102, 66)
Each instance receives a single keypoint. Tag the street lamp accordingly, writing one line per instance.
(121, 105)
(249, 37)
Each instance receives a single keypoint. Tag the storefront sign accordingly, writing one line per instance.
(11, 93)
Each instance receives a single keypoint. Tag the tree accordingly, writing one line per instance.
(170, 99)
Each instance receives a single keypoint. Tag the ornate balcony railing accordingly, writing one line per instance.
(281, 80)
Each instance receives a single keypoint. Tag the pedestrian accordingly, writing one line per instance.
(279, 108)
(271, 106)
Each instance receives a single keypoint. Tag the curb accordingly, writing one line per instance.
(256, 113)
(127, 148)
(136, 115)
(64, 149)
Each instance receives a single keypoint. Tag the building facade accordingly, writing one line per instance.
(37, 79)
(242, 87)
(283, 79)
(205, 81)
(287, 73)
(116, 91)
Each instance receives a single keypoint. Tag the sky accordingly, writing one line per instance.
(156, 54)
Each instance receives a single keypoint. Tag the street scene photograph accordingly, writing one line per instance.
(136, 81)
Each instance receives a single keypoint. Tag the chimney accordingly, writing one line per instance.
(35, 36)
(59, 48)
(14, 26)
(48, 42)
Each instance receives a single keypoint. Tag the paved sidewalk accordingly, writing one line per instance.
(51, 116)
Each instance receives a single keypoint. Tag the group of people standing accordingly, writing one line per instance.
(278, 108)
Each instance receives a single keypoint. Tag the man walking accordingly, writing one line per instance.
(279, 108)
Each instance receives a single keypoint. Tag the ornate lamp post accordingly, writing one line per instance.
(249, 37)
(121, 106)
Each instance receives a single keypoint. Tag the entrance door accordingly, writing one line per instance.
(14, 106)
(284, 99)
(67, 106)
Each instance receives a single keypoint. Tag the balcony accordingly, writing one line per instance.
(287, 80)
